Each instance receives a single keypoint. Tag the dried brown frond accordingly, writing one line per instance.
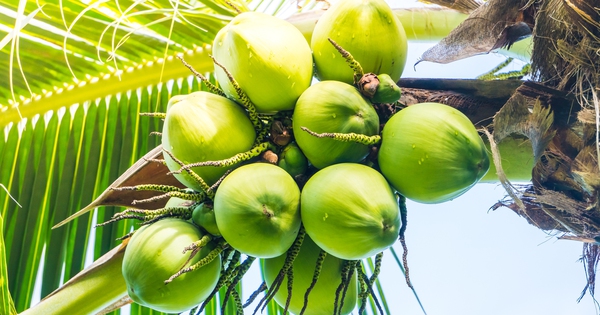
(566, 46)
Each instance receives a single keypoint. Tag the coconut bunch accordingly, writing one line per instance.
(310, 176)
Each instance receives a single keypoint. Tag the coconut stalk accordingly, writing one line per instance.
(94, 289)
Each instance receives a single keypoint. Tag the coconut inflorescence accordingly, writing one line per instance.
(309, 177)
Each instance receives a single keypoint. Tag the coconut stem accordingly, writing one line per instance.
(211, 87)
(237, 273)
(219, 181)
(353, 265)
(203, 185)
(227, 260)
(233, 262)
(148, 215)
(377, 269)
(346, 137)
(493, 75)
(238, 158)
(226, 274)
(124, 237)
(490, 75)
(239, 308)
(156, 133)
(287, 265)
(403, 218)
(340, 292)
(147, 212)
(186, 195)
(290, 283)
(369, 289)
(123, 217)
(254, 295)
(354, 65)
(155, 115)
(246, 102)
(152, 187)
(364, 292)
(318, 267)
(202, 262)
(199, 243)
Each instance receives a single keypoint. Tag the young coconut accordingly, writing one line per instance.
(154, 254)
(293, 160)
(267, 56)
(202, 126)
(333, 107)
(387, 90)
(203, 215)
(322, 295)
(257, 209)
(367, 29)
(432, 153)
(350, 211)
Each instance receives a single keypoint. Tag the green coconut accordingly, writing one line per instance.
(337, 107)
(155, 253)
(257, 210)
(387, 90)
(432, 153)
(367, 29)
(267, 56)
(203, 215)
(293, 160)
(322, 296)
(350, 211)
(201, 127)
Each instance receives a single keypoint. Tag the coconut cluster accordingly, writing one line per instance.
(306, 175)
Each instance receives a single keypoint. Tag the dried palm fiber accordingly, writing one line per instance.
(566, 180)
(566, 44)
(565, 186)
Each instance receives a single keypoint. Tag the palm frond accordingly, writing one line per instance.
(70, 42)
